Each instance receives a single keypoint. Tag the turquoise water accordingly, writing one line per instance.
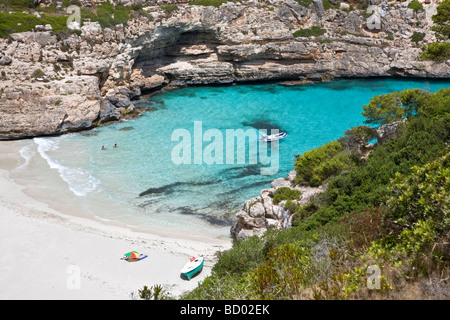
(138, 182)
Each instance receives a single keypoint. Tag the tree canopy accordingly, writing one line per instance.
(393, 106)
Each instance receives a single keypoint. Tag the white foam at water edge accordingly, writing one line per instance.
(26, 153)
(80, 181)
(101, 219)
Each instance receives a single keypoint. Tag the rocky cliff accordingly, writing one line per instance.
(52, 85)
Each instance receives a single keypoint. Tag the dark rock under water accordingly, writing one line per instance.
(172, 187)
(261, 124)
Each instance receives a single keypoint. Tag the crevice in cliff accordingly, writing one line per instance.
(186, 46)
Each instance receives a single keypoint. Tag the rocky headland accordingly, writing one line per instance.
(53, 85)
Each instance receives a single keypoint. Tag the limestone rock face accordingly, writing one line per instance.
(51, 85)
(260, 213)
(388, 131)
(35, 109)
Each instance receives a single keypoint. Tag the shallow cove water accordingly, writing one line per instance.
(138, 182)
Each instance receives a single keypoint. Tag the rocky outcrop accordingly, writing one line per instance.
(389, 131)
(261, 213)
(108, 68)
(39, 108)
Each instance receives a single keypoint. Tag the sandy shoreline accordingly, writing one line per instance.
(49, 255)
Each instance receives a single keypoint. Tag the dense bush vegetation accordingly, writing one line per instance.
(21, 22)
(436, 51)
(106, 14)
(388, 211)
(317, 165)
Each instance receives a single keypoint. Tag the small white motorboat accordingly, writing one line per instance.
(193, 267)
(273, 137)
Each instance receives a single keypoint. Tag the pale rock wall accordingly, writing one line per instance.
(110, 67)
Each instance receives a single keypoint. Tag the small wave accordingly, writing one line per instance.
(27, 154)
(80, 181)
(101, 219)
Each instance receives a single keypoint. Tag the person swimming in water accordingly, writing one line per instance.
(103, 148)
(115, 145)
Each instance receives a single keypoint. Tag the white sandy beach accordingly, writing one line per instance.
(42, 251)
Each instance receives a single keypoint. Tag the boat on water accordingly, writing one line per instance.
(193, 267)
(273, 137)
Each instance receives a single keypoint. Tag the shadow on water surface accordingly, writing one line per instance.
(218, 221)
(240, 172)
(261, 123)
(172, 187)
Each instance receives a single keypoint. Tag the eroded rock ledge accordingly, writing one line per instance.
(52, 86)
(261, 213)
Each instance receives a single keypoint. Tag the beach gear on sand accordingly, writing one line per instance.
(133, 256)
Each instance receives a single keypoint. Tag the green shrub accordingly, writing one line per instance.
(38, 73)
(285, 193)
(424, 194)
(303, 212)
(328, 5)
(415, 6)
(418, 207)
(313, 31)
(292, 206)
(214, 3)
(21, 22)
(229, 287)
(417, 37)
(436, 51)
(155, 292)
(357, 137)
(169, 8)
(245, 256)
(284, 273)
(304, 3)
(317, 165)
(108, 15)
(16, 5)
